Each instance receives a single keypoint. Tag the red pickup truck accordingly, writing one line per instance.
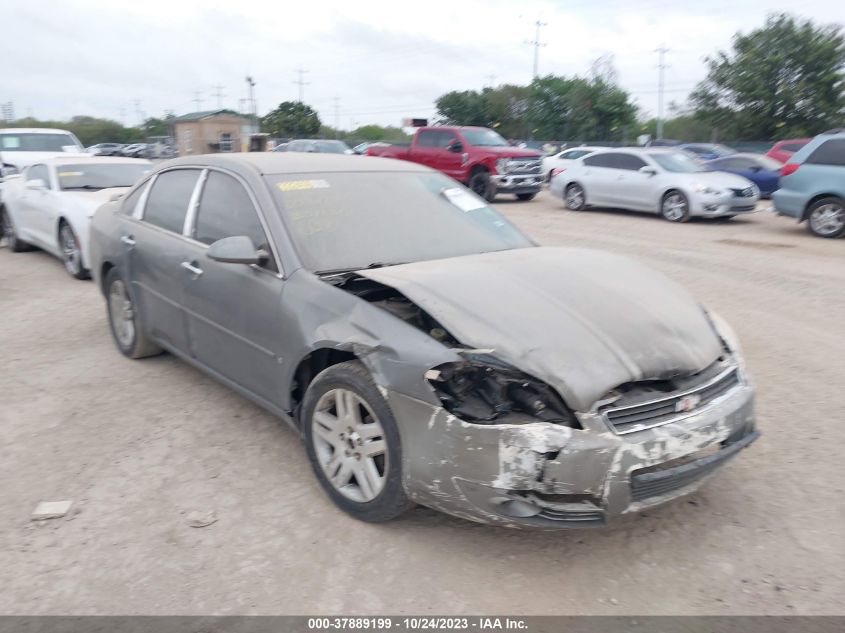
(476, 156)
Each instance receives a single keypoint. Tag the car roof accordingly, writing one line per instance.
(32, 130)
(296, 163)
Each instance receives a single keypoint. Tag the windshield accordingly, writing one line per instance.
(332, 147)
(484, 138)
(676, 161)
(93, 176)
(26, 142)
(348, 221)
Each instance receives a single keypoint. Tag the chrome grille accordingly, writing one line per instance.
(745, 192)
(645, 415)
(529, 165)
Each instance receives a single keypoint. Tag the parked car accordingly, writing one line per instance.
(367, 301)
(478, 157)
(20, 147)
(812, 186)
(782, 151)
(663, 142)
(758, 168)
(318, 146)
(560, 160)
(105, 149)
(663, 181)
(281, 147)
(136, 150)
(706, 151)
(51, 204)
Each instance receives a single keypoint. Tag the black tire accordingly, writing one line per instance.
(352, 376)
(724, 218)
(481, 185)
(826, 217)
(669, 209)
(7, 231)
(525, 197)
(71, 252)
(575, 197)
(137, 345)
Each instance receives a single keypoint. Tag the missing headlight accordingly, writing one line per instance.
(484, 389)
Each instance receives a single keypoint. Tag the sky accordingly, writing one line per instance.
(367, 61)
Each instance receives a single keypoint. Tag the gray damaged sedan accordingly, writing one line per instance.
(427, 351)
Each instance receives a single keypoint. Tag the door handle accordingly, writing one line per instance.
(189, 266)
(128, 240)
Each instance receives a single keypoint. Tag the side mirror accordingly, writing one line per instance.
(455, 146)
(8, 170)
(36, 184)
(648, 171)
(238, 249)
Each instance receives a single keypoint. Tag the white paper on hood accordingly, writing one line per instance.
(463, 199)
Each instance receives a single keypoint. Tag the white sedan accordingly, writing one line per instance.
(563, 159)
(654, 180)
(49, 206)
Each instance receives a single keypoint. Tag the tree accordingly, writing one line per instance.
(291, 119)
(155, 127)
(467, 107)
(782, 80)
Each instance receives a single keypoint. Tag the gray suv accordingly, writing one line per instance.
(812, 186)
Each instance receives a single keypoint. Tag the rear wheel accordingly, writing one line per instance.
(525, 197)
(826, 217)
(124, 320)
(10, 235)
(675, 207)
(353, 443)
(575, 198)
(71, 252)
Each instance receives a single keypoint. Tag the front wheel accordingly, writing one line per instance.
(353, 443)
(525, 197)
(675, 207)
(482, 186)
(826, 217)
(124, 321)
(8, 232)
(71, 252)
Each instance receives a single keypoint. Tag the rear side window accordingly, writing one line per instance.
(168, 201)
(599, 160)
(830, 152)
(226, 210)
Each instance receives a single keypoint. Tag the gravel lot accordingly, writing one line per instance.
(138, 446)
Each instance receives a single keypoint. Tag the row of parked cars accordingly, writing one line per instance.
(132, 150)
(709, 180)
(354, 300)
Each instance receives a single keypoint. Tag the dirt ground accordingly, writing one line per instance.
(139, 445)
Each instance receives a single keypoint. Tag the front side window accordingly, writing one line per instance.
(677, 162)
(830, 152)
(92, 176)
(347, 221)
(168, 201)
(226, 210)
(629, 162)
(484, 138)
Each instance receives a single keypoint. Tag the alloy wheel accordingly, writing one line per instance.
(827, 219)
(122, 314)
(71, 253)
(350, 445)
(674, 207)
(574, 197)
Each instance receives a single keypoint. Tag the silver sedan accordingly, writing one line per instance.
(662, 181)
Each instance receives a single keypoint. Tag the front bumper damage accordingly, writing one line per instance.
(545, 475)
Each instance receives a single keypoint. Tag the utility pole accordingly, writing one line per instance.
(250, 82)
(218, 92)
(661, 66)
(336, 115)
(138, 113)
(536, 43)
(198, 100)
(300, 82)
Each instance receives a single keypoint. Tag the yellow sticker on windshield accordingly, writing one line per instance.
(71, 174)
(297, 185)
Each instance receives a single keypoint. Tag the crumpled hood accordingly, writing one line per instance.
(584, 321)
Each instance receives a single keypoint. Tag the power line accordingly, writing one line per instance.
(661, 53)
(301, 82)
(218, 92)
(198, 100)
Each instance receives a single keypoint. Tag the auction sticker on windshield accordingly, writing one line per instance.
(297, 185)
(463, 199)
